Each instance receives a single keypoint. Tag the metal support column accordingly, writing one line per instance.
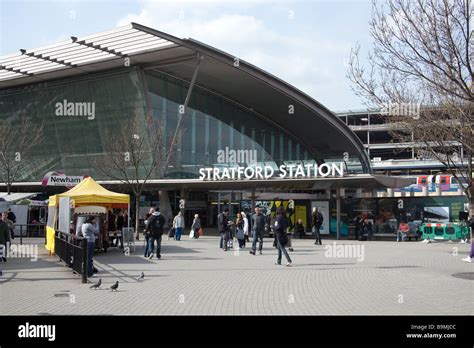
(186, 101)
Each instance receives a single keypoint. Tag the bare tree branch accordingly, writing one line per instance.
(422, 53)
(18, 140)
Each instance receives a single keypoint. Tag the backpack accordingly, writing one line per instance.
(320, 218)
(156, 225)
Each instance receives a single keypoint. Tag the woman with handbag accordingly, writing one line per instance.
(239, 225)
(246, 228)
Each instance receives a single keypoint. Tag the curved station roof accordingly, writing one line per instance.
(251, 87)
(316, 127)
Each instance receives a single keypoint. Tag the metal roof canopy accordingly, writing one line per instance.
(17, 196)
(115, 44)
(352, 181)
(260, 92)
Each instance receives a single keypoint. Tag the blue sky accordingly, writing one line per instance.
(306, 43)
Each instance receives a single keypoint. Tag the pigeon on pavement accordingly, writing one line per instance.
(141, 277)
(114, 287)
(96, 285)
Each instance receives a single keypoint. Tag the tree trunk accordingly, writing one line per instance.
(137, 209)
(470, 209)
(165, 207)
(8, 188)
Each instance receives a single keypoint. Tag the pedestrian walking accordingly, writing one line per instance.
(11, 225)
(280, 228)
(147, 234)
(258, 229)
(290, 237)
(178, 225)
(317, 221)
(196, 226)
(223, 224)
(471, 254)
(246, 227)
(239, 234)
(4, 236)
(155, 226)
(300, 229)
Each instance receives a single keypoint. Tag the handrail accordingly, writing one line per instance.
(68, 242)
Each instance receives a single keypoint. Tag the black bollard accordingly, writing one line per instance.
(84, 260)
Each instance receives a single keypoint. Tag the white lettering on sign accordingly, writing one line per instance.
(290, 171)
(60, 179)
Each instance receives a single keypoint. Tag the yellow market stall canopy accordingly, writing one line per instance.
(88, 192)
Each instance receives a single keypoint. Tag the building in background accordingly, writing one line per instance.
(390, 156)
(232, 105)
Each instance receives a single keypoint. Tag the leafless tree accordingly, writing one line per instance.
(18, 138)
(422, 55)
(136, 151)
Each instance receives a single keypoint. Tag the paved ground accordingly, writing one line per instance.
(195, 277)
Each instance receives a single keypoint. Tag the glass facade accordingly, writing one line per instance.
(72, 144)
(212, 123)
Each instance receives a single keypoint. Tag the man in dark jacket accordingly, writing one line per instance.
(154, 228)
(11, 216)
(223, 225)
(280, 228)
(258, 228)
(4, 238)
(147, 234)
(316, 221)
(358, 225)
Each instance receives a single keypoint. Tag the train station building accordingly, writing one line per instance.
(246, 137)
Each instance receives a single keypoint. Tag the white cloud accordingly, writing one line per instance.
(307, 60)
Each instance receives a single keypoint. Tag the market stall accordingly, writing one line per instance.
(86, 194)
